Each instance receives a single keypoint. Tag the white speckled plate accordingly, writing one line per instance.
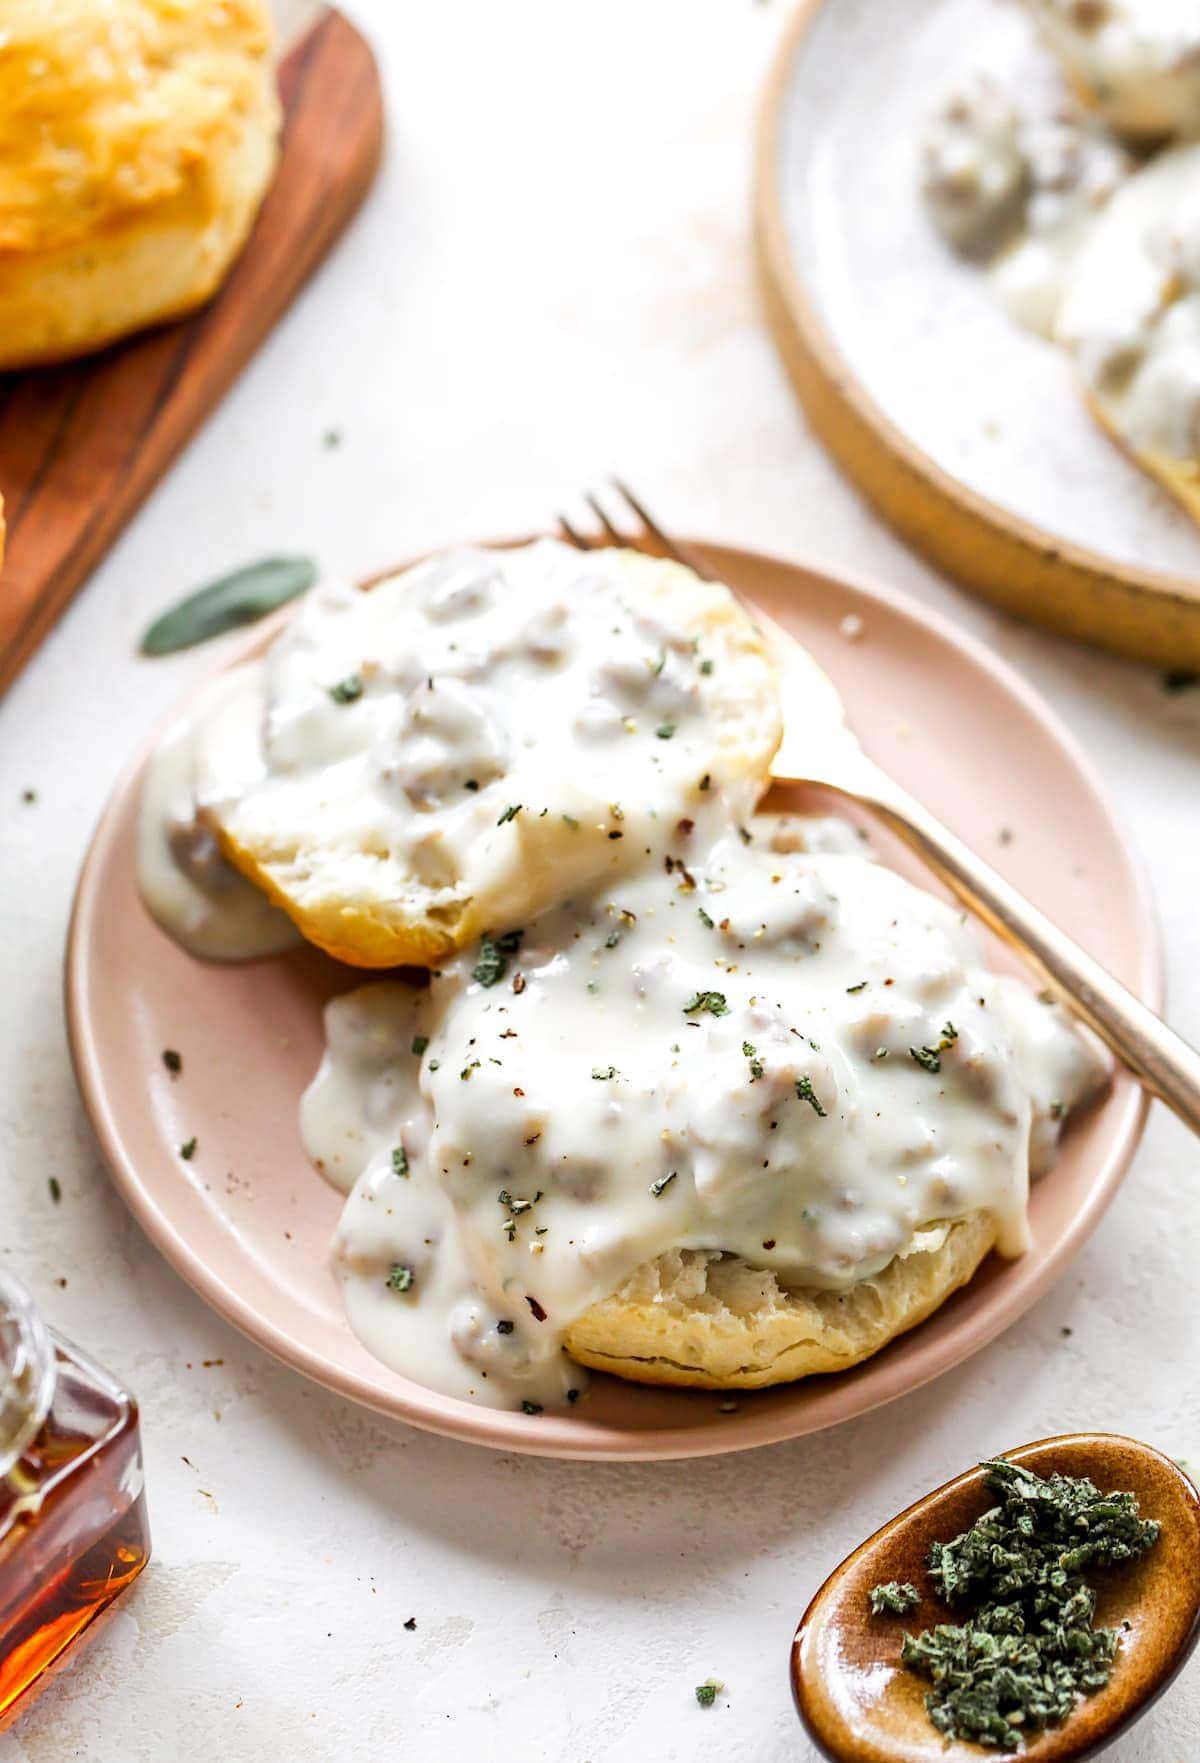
(968, 432)
(248, 1222)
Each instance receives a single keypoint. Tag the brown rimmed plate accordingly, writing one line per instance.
(966, 433)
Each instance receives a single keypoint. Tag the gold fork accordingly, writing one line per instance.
(819, 747)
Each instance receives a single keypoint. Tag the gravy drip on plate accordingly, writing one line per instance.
(195, 895)
(765, 1045)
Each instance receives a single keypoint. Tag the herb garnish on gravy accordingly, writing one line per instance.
(492, 964)
(693, 1100)
(1027, 1651)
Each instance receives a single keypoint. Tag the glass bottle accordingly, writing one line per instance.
(73, 1531)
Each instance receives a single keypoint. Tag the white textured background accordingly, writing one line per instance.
(551, 278)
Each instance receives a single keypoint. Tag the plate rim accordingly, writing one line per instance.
(464, 1421)
(1146, 614)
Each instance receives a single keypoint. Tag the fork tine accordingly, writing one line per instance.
(597, 509)
(613, 535)
(572, 534)
(669, 545)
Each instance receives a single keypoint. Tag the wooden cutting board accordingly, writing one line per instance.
(81, 446)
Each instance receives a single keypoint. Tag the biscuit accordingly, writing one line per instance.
(697, 1317)
(137, 139)
(511, 726)
(1130, 318)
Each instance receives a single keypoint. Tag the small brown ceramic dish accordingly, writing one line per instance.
(859, 1706)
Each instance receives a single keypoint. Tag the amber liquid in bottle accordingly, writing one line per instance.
(73, 1531)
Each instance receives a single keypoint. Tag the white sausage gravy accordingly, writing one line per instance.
(453, 741)
(744, 1038)
(788, 1054)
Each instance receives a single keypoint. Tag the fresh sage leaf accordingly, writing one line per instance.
(238, 598)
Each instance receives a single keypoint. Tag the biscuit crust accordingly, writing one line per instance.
(694, 1317)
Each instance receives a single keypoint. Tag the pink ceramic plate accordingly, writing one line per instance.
(247, 1221)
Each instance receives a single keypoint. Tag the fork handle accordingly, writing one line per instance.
(1163, 1061)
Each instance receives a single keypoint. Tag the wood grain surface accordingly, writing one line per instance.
(81, 446)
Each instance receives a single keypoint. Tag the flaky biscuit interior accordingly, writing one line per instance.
(697, 1317)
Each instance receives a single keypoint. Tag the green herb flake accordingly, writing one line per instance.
(893, 1599)
(665, 730)
(400, 1161)
(348, 690)
(516, 1207)
(571, 822)
(706, 1692)
(1027, 1651)
(400, 1278)
(188, 1149)
(663, 1183)
(238, 598)
(756, 1064)
(806, 1093)
(612, 939)
(491, 964)
(55, 1187)
(706, 667)
(419, 1044)
(510, 813)
(531, 1407)
(860, 987)
(705, 920)
(713, 1002)
(930, 1058)
(602, 1073)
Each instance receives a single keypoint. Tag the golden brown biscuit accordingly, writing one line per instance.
(1130, 318)
(714, 1322)
(137, 139)
(377, 875)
